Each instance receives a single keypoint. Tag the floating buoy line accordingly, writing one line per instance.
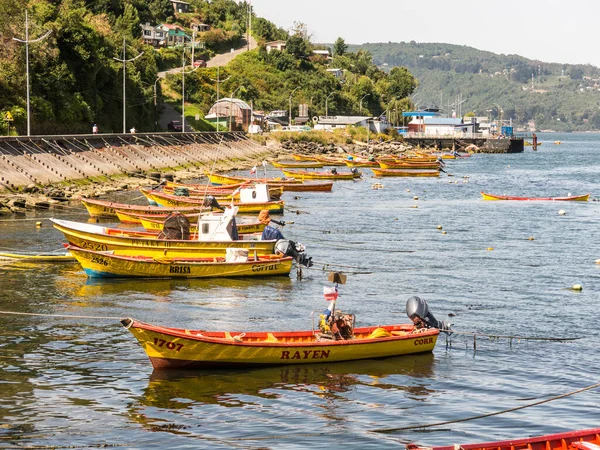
(481, 416)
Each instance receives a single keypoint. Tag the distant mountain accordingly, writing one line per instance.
(536, 94)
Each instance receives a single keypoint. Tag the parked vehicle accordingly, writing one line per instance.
(174, 125)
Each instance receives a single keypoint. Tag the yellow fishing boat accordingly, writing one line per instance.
(106, 209)
(107, 265)
(220, 179)
(37, 257)
(275, 192)
(245, 207)
(157, 226)
(335, 339)
(297, 164)
(361, 163)
(214, 242)
(409, 165)
(404, 173)
(331, 175)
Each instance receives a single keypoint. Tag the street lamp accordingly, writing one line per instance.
(183, 73)
(155, 108)
(326, 104)
(124, 61)
(231, 105)
(290, 102)
(26, 41)
(366, 95)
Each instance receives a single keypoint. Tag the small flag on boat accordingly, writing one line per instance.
(264, 164)
(330, 293)
(253, 170)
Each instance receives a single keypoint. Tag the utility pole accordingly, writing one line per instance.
(125, 61)
(218, 81)
(26, 41)
(183, 73)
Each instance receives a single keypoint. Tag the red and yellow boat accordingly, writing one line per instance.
(176, 348)
(308, 175)
(405, 173)
(282, 164)
(571, 440)
(575, 198)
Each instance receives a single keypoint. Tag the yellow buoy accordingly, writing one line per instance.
(597, 261)
(530, 238)
(38, 224)
(577, 287)
(490, 248)
(444, 232)
(415, 206)
(415, 198)
(562, 212)
(439, 227)
(408, 190)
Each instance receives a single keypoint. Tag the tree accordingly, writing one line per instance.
(297, 46)
(339, 47)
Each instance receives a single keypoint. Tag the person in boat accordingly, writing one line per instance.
(418, 311)
(283, 245)
(269, 232)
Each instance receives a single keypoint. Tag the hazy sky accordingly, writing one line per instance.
(548, 30)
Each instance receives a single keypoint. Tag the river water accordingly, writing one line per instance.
(72, 376)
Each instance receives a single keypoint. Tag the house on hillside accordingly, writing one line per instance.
(174, 35)
(230, 112)
(153, 35)
(338, 73)
(275, 45)
(180, 7)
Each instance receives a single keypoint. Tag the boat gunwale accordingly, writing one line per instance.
(189, 334)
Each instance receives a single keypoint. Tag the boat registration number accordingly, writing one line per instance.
(168, 344)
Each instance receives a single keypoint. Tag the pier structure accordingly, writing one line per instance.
(483, 144)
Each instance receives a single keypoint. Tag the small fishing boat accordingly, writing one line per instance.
(571, 440)
(331, 175)
(213, 239)
(191, 192)
(576, 198)
(361, 163)
(278, 183)
(409, 165)
(405, 173)
(38, 257)
(252, 200)
(220, 179)
(297, 164)
(109, 265)
(106, 209)
(334, 339)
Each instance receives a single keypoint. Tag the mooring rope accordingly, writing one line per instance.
(481, 416)
(63, 316)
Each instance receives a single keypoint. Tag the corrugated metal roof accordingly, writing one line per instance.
(442, 121)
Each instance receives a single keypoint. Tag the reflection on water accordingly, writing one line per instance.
(173, 389)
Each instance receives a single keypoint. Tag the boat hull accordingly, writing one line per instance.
(93, 237)
(108, 265)
(157, 226)
(576, 198)
(41, 258)
(405, 173)
(297, 164)
(572, 440)
(306, 175)
(171, 348)
(166, 200)
(106, 209)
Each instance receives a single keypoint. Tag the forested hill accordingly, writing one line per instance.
(562, 97)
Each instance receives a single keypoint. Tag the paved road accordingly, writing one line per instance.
(168, 113)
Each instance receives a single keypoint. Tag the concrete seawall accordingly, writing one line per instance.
(49, 160)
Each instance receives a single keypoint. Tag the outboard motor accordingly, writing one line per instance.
(295, 250)
(211, 201)
(354, 170)
(418, 311)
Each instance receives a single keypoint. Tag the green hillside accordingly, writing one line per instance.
(560, 97)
